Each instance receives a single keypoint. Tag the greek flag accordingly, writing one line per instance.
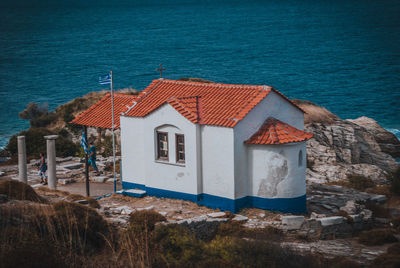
(84, 143)
(105, 80)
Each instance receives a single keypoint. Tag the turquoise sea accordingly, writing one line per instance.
(344, 55)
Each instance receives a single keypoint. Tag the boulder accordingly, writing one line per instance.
(331, 221)
(239, 217)
(292, 222)
(387, 141)
(350, 147)
(72, 166)
(101, 179)
(216, 215)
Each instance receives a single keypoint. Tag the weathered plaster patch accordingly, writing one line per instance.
(277, 171)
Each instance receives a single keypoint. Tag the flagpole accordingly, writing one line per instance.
(112, 130)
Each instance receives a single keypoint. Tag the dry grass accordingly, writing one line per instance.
(377, 237)
(389, 259)
(91, 201)
(19, 191)
(315, 113)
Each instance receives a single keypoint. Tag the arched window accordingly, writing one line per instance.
(300, 158)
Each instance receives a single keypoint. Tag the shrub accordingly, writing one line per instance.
(360, 182)
(35, 143)
(177, 246)
(255, 253)
(44, 120)
(236, 229)
(79, 227)
(34, 110)
(20, 191)
(145, 219)
(376, 237)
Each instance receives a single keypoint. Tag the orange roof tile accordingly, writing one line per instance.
(99, 114)
(204, 103)
(274, 131)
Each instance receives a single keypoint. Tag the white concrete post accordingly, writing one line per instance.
(51, 160)
(22, 176)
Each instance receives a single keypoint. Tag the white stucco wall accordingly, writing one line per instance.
(132, 149)
(140, 140)
(271, 106)
(218, 161)
(274, 170)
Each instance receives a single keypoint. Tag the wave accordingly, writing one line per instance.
(395, 131)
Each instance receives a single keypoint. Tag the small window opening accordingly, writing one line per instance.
(162, 144)
(180, 148)
(300, 158)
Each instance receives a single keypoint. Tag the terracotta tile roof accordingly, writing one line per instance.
(187, 106)
(215, 104)
(99, 114)
(274, 131)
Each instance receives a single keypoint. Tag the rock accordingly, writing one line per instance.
(65, 181)
(101, 179)
(217, 219)
(123, 210)
(216, 215)
(343, 148)
(163, 213)
(2, 173)
(331, 220)
(63, 159)
(239, 217)
(379, 199)
(292, 222)
(356, 218)
(351, 207)
(3, 198)
(316, 215)
(366, 214)
(72, 166)
(387, 141)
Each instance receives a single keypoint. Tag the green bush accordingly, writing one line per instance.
(145, 219)
(35, 143)
(44, 120)
(177, 246)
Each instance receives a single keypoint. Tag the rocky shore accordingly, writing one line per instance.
(340, 151)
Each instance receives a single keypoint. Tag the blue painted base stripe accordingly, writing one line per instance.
(131, 185)
(292, 205)
(170, 194)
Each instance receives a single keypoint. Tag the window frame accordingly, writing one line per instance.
(177, 160)
(159, 157)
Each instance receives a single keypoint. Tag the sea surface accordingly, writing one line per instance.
(344, 55)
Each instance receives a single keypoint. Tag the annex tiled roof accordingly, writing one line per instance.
(99, 114)
(203, 103)
(274, 131)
